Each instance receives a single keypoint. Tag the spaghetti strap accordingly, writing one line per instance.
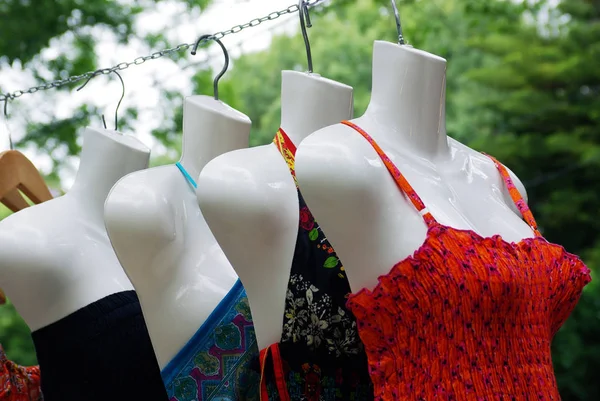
(516, 197)
(272, 353)
(401, 182)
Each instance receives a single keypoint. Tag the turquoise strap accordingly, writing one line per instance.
(186, 175)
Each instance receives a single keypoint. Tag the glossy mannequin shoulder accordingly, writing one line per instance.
(350, 191)
(161, 238)
(56, 257)
(258, 234)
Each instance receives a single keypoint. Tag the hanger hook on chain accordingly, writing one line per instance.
(401, 40)
(304, 23)
(120, 100)
(10, 142)
(225, 66)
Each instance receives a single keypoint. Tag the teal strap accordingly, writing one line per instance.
(186, 175)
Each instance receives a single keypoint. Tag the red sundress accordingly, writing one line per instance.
(467, 318)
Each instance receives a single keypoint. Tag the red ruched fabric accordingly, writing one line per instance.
(468, 318)
(18, 383)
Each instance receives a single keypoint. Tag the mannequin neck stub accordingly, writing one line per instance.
(310, 102)
(408, 98)
(210, 129)
(106, 157)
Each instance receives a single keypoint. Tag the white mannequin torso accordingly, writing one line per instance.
(368, 220)
(258, 234)
(56, 257)
(161, 238)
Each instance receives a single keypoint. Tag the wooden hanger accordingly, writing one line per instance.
(17, 173)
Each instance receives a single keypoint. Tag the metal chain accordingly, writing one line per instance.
(161, 53)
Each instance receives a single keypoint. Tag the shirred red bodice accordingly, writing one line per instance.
(466, 317)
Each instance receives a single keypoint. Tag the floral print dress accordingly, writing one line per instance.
(18, 383)
(320, 356)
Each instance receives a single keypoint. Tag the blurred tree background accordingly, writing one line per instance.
(523, 84)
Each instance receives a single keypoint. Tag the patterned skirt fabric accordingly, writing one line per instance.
(216, 364)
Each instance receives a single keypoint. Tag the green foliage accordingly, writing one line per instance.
(15, 336)
(27, 27)
(4, 212)
(31, 25)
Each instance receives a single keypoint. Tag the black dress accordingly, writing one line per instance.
(320, 356)
(100, 352)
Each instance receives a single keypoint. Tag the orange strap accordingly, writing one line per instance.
(273, 351)
(516, 196)
(401, 182)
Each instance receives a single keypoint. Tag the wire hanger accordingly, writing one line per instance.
(304, 23)
(120, 100)
(225, 66)
(401, 40)
(10, 142)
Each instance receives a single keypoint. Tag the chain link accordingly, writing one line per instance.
(161, 53)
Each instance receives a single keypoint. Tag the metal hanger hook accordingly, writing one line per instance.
(304, 23)
(225, 66)
(10, 142)
(120, 100)
(398, 23)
